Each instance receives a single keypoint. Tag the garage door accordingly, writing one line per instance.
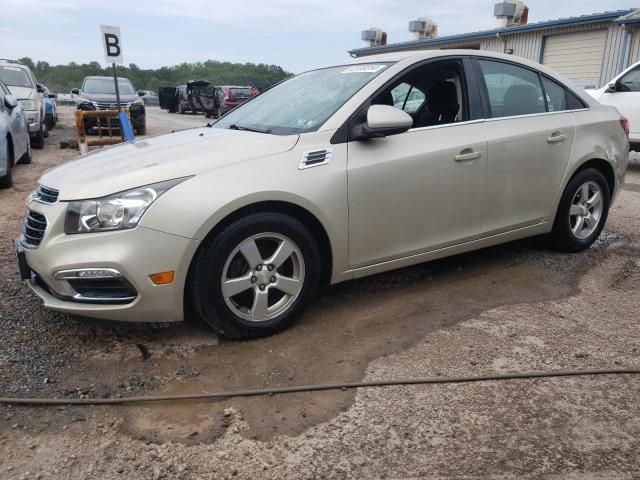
(577, 56)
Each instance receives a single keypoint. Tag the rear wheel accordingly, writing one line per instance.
(256, 277)
(7, 180)
(582, 212)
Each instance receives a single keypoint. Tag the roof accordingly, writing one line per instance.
(511, 30)
(633, 17)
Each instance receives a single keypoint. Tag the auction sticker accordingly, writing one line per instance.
(364, 69)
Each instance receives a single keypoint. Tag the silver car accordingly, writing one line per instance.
(319, 180)
(23, 85)
(14, 136)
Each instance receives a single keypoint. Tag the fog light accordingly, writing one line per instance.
(162, 278)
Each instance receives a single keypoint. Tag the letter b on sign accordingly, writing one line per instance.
(112, 43)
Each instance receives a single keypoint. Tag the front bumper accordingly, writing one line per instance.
(135, 254)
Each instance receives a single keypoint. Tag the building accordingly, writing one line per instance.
(589, 49)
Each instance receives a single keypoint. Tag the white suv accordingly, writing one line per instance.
(23, 85)
(623, 92)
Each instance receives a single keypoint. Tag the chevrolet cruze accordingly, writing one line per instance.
(333, 174)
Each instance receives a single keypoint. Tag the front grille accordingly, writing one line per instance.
(33, 228)
(46, 194)
(111, 105)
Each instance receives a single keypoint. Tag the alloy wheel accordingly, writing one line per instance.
(263, 277)
(586, 210)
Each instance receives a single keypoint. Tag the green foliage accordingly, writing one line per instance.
(62, 78)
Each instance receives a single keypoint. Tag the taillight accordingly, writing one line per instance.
(624, 123)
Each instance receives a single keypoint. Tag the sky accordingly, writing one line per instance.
(297, 35)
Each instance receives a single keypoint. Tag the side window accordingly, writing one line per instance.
(433, 94)
(407, 97)
(556, 95)
(630, 82)
(512, 90)
(573, 102)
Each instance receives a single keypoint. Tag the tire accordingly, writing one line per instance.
(38, 139)
(141, 130)
(578, 223)
(26, 157)
(45, 129)
(50, 122)
(237, 315)
(7, 180)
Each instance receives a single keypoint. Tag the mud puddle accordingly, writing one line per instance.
(346, 327)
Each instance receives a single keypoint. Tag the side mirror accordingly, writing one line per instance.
(75, 91)
(10, 102)
(39, 88)
(141, 93)
(382, 121)
(612, 87)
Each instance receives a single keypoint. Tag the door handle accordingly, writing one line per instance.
(556, 138)
(467, 155)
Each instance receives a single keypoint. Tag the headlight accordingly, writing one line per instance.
(119, 211)
(29, 104)
(80, 100)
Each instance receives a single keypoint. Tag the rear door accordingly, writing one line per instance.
(530, 136)
(626, 99)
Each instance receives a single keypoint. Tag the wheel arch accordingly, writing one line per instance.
(601, 165)
(306, 217)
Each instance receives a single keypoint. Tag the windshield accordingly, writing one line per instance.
(107, 86)
(15, 77)
(302, 103)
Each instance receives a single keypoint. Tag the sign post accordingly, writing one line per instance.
(112, 43)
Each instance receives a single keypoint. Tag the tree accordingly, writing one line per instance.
(62, 78)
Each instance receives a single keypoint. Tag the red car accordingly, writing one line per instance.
(231, 96)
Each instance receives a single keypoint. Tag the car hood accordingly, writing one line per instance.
(108, 97)
(22, 93)
(174, 155)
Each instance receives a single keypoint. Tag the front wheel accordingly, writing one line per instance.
(38, 139)
(256, 277)
(582, 212)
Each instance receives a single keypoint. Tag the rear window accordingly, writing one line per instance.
(15, 77)
(240, 92)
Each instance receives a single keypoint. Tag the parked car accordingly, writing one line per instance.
(50, 108)
(149, 97)
(319, 180)
(183, 98)
(15, 146)
(23, 85)
(623, 92)
(99, 93)
(231, 96)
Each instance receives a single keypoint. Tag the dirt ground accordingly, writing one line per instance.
(516, 307)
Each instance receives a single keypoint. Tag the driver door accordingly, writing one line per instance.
(417, 191)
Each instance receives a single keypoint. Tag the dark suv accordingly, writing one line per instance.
(99, 93)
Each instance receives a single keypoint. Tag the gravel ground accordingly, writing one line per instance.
(517, 307)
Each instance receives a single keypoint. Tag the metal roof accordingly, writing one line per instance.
(512, 30)
(633, 17)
